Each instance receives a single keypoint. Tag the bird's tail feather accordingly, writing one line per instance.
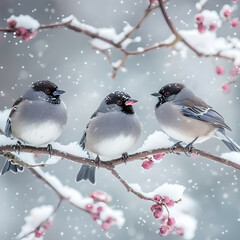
(220, 134)
(86, 172)
(8, 166)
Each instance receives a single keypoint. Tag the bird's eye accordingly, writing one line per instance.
(167, 94)
(47, 91)
(119, 102)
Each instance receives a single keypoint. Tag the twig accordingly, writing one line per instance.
(182, 39)
(127, 186)
(54, 211)
(110, 165)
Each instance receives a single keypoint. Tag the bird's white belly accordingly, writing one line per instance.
(181, 136)
(40, 134)
(114, 147)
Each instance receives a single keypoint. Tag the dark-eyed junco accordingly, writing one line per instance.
(37, 118)
(112, 130)
(187, 118)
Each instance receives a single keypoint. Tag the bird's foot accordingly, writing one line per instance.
(50, 149)
(97, 161)
(125, 157)
(17, 147)
(176, 145)
(188, 148)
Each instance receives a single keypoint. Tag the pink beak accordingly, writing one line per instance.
(130, 102)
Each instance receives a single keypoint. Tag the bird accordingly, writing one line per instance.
(187, 118)
(37, 118)
(112, 130)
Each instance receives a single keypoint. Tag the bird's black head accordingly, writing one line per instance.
(122, 100)
(168, 92)
(50, 89)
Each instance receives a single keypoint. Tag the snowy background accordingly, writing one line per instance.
(66, 58)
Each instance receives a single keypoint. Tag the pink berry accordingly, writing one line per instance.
(154, 207)
(21, 31)
(89, 207)
(47, 225)
(110, 219)
(219, 70)
(12, 23)
(201, 28)
(234, 72)
(212, 27)
(157, 198)
(38, 234)
(180, 231)
(99, 209)
(235, 1)
(165, 199)
(170, 203)
(157, 214)
(227, 13)
(158, 156)
(106, 226)
(226, 88)
(165, 217)
(147, 164)
(171, 222)
(199, 18)
(94, 216)
(100, 196)
(163, 230)
(234, 22)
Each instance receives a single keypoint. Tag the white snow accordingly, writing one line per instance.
(182, 212)
(173, 191)
(37, 216)
(76, 23)
(3, 118)
(209, 43)
(200, 4)
(53, 160)
(232, 156)
(108, 33)
(211, 17)
(77, 199)
(71, 148)
(116, 64)
(187, 222)
(25, 21)
(156, 140)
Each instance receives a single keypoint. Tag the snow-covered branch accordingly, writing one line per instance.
(111, 164)
(104, 39)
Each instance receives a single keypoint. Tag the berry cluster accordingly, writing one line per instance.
(207, 20)
(96, 209)
(100, 196)
(23, 33)
(147, 164)
(41, 230)
(233, 73)
(168, 224)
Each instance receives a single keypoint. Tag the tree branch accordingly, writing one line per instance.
(109, 165)
(182, 39)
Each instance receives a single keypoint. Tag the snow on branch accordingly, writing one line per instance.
(103, 39)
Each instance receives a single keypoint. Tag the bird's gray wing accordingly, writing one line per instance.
(8, 131)
(82, 142)
(199, 110)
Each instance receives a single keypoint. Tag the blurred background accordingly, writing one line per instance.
(66, 58)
